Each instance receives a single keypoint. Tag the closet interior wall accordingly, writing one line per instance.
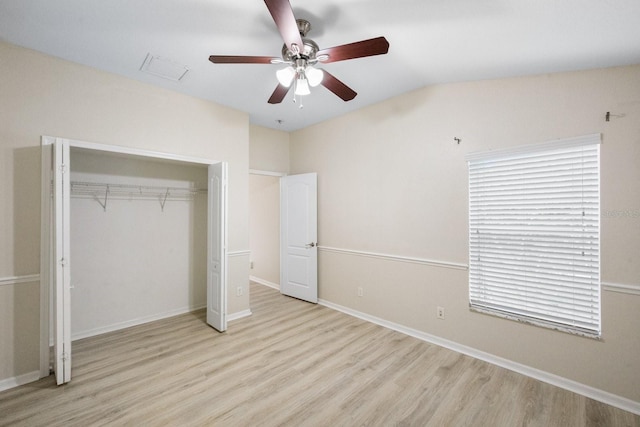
(138, 252)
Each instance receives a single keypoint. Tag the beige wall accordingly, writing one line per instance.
(269, 149)
(42, 95)
(392, 180)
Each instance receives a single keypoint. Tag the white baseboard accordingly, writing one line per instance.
(133, 322)
(12, 382)
(567, 384)
(265, 282)
(238, 315)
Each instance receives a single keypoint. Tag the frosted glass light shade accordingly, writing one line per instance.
(314, 76)
(302, 87)
(285, 76)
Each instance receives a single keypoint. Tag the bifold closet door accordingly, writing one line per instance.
(61, 262)
(217, 247)
(58, 253)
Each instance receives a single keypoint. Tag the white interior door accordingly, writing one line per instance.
(299, 236)
(217, 247)
(61, 264)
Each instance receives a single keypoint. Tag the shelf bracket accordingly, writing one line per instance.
(164, 201)
(106, 196)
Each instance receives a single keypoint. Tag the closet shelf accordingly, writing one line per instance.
(102, 192)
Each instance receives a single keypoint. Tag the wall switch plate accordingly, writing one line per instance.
(440, 313)
(239, 291)
(360, 291)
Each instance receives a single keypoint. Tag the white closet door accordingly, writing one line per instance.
(217, 247)
(61, 276)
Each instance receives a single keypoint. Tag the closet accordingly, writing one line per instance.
(138, 240)
(128, 236)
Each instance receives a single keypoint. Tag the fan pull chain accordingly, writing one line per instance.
(295, 88)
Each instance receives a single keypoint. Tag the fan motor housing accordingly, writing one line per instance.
(309, 48)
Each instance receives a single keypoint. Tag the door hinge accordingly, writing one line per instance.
(64, 356)
(63, 168)
(63, 262)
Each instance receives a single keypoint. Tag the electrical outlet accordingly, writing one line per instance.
(239, 291)
(440, 313)
(360, 291)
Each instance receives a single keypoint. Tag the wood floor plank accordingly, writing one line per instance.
(289, 364)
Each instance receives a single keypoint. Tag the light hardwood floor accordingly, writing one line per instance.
(290, 364)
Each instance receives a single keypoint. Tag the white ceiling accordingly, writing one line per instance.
(431, 41)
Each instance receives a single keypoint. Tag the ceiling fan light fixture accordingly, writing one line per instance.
(302, 86)
(314, 76)
(285, 76)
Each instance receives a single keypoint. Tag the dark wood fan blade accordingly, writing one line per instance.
(278, 95)
(371, 47)
(285, 21)
(337, 87)
(228, 59)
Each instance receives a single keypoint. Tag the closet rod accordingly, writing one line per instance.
(102, 192)
(133, 188)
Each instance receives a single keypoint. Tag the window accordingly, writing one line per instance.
(534, 234)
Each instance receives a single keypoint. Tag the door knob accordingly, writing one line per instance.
(310, 245)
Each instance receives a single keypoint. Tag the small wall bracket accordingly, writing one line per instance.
(608, 116)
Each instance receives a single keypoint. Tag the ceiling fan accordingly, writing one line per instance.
(302, 54)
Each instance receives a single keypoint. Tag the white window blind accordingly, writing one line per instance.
(534, 234)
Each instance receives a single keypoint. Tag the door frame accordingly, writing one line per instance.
(277, 175)
(46, 232)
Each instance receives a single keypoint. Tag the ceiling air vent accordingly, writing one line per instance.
(163, 67)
